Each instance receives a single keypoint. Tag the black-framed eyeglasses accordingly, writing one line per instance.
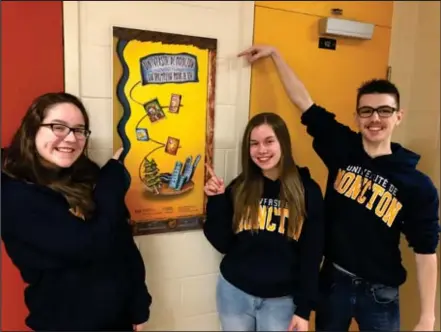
(382, 111)
(61, 130)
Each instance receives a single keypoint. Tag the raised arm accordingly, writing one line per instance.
(39, 233)
(331, 138)
(295, 89)
(218, 227)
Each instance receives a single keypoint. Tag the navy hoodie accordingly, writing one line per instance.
(267, 263)
(371, 201)
(82, 275)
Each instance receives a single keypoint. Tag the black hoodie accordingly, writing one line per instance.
(82, 275)
(268, 263)
(370, 201)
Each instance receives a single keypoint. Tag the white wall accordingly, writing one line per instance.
(414, 57)
(402, 56)
(181, 267)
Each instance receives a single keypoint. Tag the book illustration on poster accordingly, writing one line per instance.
(179, 179)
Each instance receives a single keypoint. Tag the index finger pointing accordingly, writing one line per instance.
(213, 175)
(210, 171)
(246, 52)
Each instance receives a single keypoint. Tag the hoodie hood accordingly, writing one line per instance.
(400, 158)
(274, 185)
(403, 156)
(304, 172)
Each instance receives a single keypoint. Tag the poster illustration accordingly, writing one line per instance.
(163, 103)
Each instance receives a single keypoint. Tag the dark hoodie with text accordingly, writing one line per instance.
(267, 263)
(369, 202)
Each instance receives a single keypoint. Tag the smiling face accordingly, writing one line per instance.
(55, 142)
(265, 148)
(377, 127)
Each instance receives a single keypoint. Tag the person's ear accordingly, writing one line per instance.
(400, 114)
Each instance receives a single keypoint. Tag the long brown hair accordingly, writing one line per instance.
(248, 188)
(22, 161)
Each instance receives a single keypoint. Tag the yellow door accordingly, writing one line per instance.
(332, 77)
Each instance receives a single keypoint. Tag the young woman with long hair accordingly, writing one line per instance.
(269, 224)
(65, 225)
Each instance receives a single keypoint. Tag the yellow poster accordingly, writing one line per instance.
(163, 104)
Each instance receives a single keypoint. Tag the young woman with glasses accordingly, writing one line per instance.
(65, 225)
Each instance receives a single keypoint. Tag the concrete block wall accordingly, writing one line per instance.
(182, 268)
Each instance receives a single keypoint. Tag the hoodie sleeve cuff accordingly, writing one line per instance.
(141, 306)
(303, 311)
(310, 114)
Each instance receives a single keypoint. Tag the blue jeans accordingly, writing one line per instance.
(239, 311)
(375, 307)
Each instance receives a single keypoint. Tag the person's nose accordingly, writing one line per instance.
(262, 149)
(375, 117)
(70, 137)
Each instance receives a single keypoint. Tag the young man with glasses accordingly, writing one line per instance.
(374, 193)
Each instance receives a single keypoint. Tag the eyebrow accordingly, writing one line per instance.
(368, 106)
(66, 124)
(268, 137)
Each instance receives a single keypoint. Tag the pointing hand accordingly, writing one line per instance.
(215, 185)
